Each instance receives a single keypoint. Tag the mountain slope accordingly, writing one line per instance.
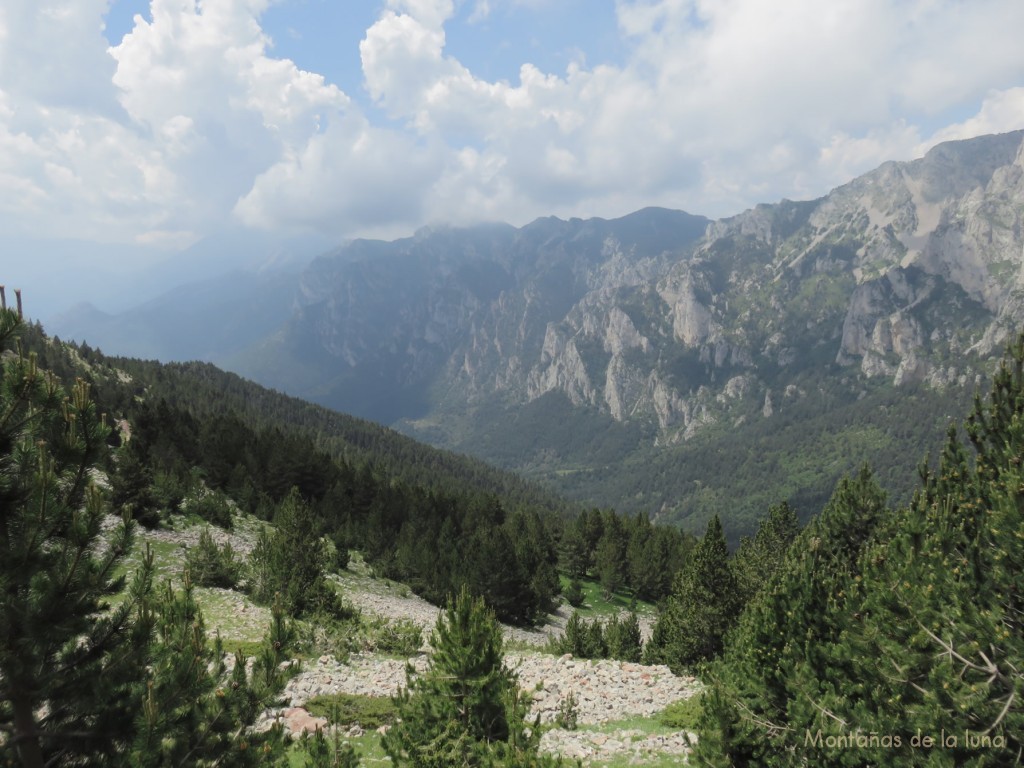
(613, 358)
(206, 394)
(387, 329)
(207, 320)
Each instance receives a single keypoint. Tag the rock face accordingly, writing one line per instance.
(910, 273)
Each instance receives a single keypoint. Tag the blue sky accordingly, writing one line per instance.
(323, 36)
(131, 131)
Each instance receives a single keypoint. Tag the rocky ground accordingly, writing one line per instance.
(606, 691)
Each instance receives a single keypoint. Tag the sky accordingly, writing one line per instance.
(134, 131)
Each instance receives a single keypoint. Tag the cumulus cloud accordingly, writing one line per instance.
(718, 104)
(182, 122)
(350, 178)
(1001, 111)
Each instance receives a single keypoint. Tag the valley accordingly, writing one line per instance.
(267, 564)
(660, 362)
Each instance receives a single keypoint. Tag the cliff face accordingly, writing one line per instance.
(911, 273)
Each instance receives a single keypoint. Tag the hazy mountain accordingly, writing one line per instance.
(595, 353)
(206, 302)
(208, 320)
(383, 330)
(661, 360)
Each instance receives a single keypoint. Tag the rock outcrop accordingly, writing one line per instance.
(911, 273)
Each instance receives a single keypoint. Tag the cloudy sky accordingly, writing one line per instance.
(136, 128)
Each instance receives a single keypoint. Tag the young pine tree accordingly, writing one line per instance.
(758, 558)
(466, 708)
(610, 558)
(68, 664)
(623, 638)
(788, 662)
(704, 604)
(292, 561)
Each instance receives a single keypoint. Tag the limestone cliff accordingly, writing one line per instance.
(911, 273)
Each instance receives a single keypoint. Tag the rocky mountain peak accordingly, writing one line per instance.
(910, 273)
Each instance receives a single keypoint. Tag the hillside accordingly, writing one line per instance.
(610, 359)
(256, 589)
(667, 363)
(205, 392)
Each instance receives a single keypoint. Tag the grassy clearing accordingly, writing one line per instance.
(367, 746)
(233, 615)
(628, 761)
(595, 604)
(370, 712)
(649, 726)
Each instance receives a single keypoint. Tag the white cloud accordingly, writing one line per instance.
(350, 178)
(1001, 111)
(718, 104)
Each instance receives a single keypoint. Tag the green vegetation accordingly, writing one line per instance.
(81, 682)
(599, 604)
(886, 628)
(466, 708)
(56, 643)
(198, 442)
(369, 712)
(827, 427)
(879, 619)
(703, 606)
(615, 638)
(211, 565)
(684, 714)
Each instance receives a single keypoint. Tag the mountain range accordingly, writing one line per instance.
(659, 361)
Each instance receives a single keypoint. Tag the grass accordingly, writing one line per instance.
(367, 746)
(646, 725)
(370, 712)
(628, 761)
(223, 611)
(595, 604)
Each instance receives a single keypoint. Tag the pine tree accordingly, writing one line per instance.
(787, 665)
(493, 571)
(623, 638)
(466, 708)
(574, 594)
(641, 571)
(292, 561)
(610, 559)
(942, 644)
(757, 559)
(68, 664)
(213, 566)
(193, 711)
(574, 555)
(703, 605)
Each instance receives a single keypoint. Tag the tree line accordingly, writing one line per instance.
(881, 635)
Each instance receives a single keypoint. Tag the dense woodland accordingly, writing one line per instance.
(429, 518)
(882, 635)
(798, 455)
(845, 643)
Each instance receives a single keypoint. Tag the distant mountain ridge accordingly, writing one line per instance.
(381, 325)
(208, 320)
(910, 273)
(611, 358)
